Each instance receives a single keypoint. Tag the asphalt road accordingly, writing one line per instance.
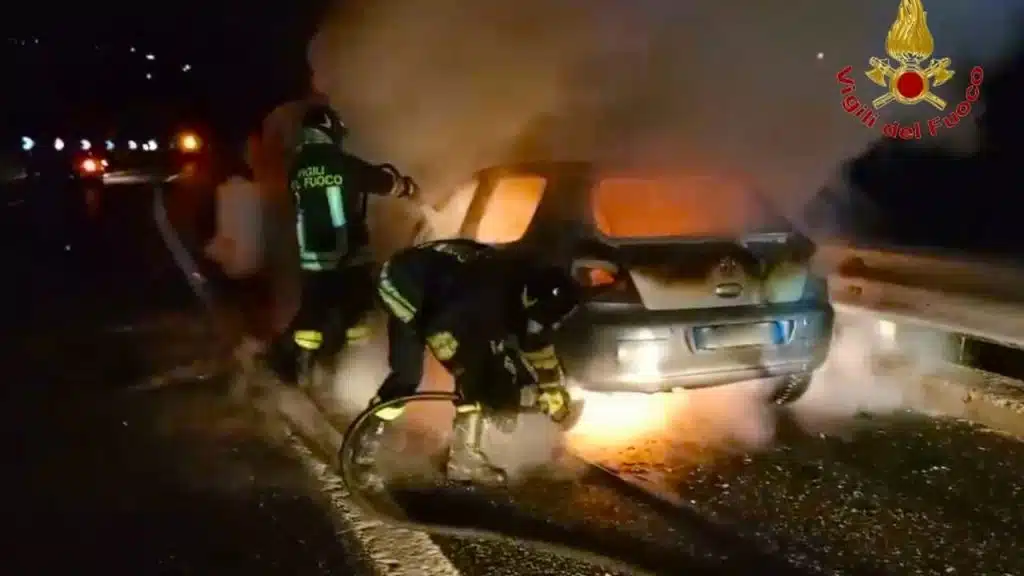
(902, 494)
(161, 482)
(169, 481)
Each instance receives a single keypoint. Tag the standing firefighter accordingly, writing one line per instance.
(487, 316)
(330, 190)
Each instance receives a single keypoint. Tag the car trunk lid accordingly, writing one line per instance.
(750, 271)
(700, 242)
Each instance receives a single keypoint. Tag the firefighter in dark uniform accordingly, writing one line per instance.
(487, 316)
(330, 189)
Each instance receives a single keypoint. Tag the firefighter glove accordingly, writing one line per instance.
(554, 401)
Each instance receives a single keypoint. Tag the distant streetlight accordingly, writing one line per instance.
(186, 67)
(86, 145)
(149, 76)
(27, 143)
(132, 49)
(110, 144)
(150, 57)
(58, 144)
(132, 145)
(152, 144)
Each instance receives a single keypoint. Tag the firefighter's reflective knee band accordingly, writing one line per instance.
(543, 359)
(308, 339)
(394, 300)
(358, 333)
(388, 413)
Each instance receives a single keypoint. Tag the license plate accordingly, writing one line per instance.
(738, 335)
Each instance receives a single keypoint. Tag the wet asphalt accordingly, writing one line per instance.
(165, 482)
(184, 480)
(171, 481)
(901, 494)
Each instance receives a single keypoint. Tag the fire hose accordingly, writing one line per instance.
(391, 513)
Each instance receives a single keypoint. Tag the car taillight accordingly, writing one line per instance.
(595, 273)
(786, 281)
(189, 142)
(596, 277)
(90, 166)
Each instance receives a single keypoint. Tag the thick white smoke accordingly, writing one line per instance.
(423, 429)
(867, 373)
(444, 87)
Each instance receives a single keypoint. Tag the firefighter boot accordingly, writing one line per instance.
(466, 461)
(369, 445)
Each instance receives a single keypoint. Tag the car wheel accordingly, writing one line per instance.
(790, 388)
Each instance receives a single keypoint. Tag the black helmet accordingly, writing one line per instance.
(550, 296)
(321, 125)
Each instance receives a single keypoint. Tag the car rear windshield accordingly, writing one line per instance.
(644, 208)
(509, 209)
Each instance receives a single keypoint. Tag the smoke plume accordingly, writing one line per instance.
(443, 87)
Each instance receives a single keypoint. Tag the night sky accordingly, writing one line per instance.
(221, 62)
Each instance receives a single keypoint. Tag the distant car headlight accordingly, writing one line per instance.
(58, 144)
(643, 360)
(133, 145)
(85, 145)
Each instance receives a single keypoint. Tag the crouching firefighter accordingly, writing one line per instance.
(330, 189)
(487, 316)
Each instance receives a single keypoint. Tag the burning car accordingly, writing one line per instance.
(691, 282)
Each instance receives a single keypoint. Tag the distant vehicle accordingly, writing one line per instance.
(90, 167)
(131, 158)
(59, 159)
(692, 282)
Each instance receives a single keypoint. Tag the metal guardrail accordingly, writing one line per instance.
(960, 274)
(976, 305)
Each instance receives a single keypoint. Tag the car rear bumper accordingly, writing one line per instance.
(666, 350)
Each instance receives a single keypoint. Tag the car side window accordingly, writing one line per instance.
(506, 210)
(449, 219)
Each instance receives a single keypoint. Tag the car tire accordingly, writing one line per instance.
(791, 388)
